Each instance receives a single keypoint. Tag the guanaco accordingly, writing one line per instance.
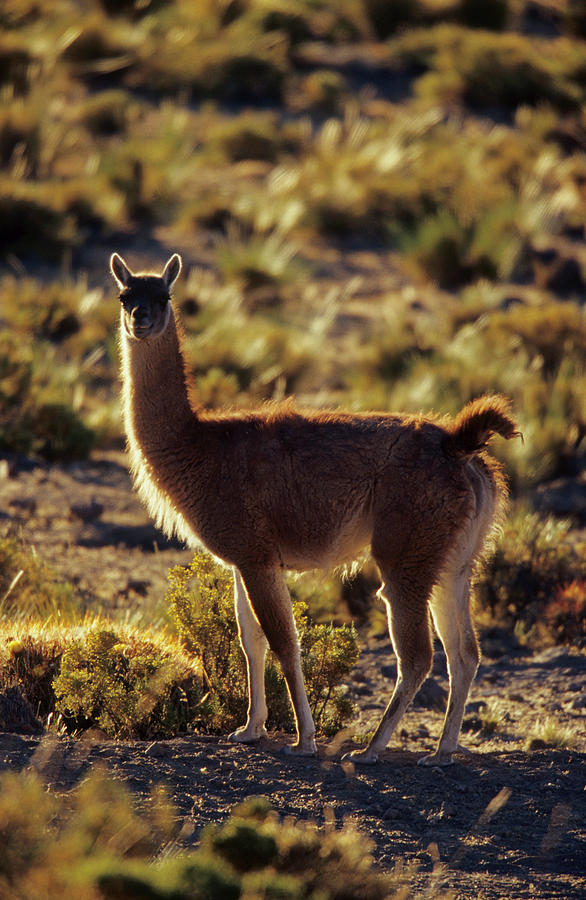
(279, 488)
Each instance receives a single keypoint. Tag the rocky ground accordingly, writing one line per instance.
(504, 821)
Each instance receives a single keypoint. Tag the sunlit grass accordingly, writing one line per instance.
(550, 733)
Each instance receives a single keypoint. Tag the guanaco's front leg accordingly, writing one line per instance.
(254, 645)
(271, 603)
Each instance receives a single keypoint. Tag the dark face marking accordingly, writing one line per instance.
(145, 298)
(145, 304)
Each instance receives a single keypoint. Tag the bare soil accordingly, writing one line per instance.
(501, 822)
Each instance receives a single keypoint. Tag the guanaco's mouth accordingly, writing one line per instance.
(138, 331)
(141, 331)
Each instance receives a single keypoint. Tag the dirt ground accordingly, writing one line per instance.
(501, 822)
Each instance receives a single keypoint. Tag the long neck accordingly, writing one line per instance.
(156, 402)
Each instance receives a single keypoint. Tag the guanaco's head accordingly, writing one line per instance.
(145, 297)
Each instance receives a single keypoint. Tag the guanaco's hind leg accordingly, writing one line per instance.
(409, 627)
(450, 608)
(271, 603)
(254, 645)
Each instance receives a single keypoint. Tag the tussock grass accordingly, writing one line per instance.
(550, 733)
(29, 589)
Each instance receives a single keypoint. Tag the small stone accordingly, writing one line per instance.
(87, 512)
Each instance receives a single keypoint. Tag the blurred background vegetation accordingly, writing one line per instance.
(380, 204)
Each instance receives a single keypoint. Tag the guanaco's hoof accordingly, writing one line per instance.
(361, 757)
(245, 735)
(436, 759)
(296, 750)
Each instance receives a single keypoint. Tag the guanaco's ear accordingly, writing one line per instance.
(120, 270)
(172, 271)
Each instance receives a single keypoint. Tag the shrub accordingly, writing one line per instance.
(76, 675)
(29, 423)
(20, 138)
(98, 845)
(49, 847)
(126, 685)
(59, 433)
(294, 860)
(248, 136)
(30, 658)
(485, 69)
(107, 113)
(533, 580)
(260, 260)
(565, 613)
(27, 220)
(204, 616)
(16, 64)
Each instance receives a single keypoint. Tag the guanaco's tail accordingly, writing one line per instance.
(477, 422)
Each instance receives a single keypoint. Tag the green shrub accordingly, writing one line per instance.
(259, 260)
(108, 113)
(126, 685)
(294, 860)
(533, 580)
(204, 616)
(59, 434)
(486, 69)
(30, 658)
(248, 136)
(104, 675)
(51, 847)
(96, 844)
(20, 138)
(28, 220)
(29, 423)
(441, 247)
(16, 64)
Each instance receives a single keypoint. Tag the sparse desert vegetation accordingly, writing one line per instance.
(379, 205)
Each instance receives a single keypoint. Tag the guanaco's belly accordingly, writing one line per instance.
(327, 551)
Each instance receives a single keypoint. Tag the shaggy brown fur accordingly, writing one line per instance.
(279, 488)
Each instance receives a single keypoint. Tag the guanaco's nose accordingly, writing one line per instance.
(140, 317)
